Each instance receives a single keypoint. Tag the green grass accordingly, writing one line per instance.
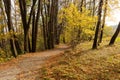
(83, 63)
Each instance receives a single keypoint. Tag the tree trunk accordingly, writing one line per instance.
(56, 23)
(26, 24)
(81, 5)
(44, 26)
(115, 35)
(95, 42)
(7, 4)
(104, 17)
(93, 13)
(35, 27)
(50, 25)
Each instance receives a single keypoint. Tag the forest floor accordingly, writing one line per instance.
(83, 63)
(26, 67)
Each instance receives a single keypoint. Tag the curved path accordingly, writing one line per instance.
(26, 66)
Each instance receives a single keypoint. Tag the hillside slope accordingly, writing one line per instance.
(86, 64)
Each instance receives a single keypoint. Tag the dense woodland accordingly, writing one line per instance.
(34, 25)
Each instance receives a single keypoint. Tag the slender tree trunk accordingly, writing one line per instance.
(95, 42)
(50, 25)
(22, 5)
(7, 4)
(115, 35)
(33, 30)
(26, 24)
(44, 27)
(56, 23)
(81, 5)
(104, 17)
(93, 13)
(18, 48)
(34, 40)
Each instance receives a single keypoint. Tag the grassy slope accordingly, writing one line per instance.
(86, 64)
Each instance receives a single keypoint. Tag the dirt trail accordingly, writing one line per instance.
(27, 65)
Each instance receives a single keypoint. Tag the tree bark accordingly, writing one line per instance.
(115, 35)
(93, 13)
(104, 17)
(95, 42)
(56, 23)
(26, 24)
(7, 4)
(35, 27)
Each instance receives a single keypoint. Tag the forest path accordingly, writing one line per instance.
(28, 64)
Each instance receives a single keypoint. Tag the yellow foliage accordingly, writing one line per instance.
(74, 20)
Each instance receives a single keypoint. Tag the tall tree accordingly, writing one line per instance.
(49, 13)
(51, 24)
(104, 17)
(35, 26)
(98, 26)
(7, 4)
(25, 22)
(44, 23)
(56, 30)
(2, 25)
